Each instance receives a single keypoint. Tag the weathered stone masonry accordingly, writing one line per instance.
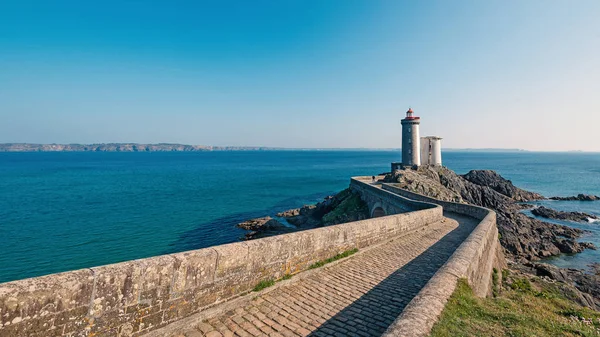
(376, 197)
(135, 297)
(474, 260)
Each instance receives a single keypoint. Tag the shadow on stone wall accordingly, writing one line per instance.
(376, 310)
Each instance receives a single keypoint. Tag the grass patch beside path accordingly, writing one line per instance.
(335, 258)
(263, 284)
(523, 308)
(268, 283)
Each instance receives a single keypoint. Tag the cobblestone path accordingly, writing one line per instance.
(361, 296)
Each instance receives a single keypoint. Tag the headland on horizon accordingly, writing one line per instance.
(175, 147)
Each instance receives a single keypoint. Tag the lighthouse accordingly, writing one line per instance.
(411, 142)
(417, 151)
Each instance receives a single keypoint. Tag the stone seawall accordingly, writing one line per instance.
(135, 297)
(391, 203)
(474, 260)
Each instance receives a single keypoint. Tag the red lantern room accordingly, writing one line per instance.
(409, 114)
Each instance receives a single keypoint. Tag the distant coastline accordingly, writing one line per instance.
(170, 147)
(123, 147)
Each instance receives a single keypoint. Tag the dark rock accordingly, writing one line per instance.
(263, 227)
(522, 237)
(345, 206)
(306, 216)
(588, 245)
(499, 184)
(289, 213)
(577, 286)
(260, 224)
(559, 215)
(587, 283)
(552, 272)
(595, 268)
(579, 197)
(568, 246)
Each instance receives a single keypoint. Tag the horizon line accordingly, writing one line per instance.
(260, 147)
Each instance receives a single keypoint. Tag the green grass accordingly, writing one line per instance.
(350, 207)
(268, 283)
(271, 282)
(525, 309)
(335, 258)
(495, 285)
(263, 284)
(521, 284)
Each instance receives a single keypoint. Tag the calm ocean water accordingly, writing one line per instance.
(64, 211)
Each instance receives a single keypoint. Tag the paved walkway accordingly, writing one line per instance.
(361, 296)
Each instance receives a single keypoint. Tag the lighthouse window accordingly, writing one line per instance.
(408, 130)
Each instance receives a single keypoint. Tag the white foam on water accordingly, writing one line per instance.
(590, 220)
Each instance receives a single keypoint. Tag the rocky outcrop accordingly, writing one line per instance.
(260, 223)
(346, 206)
(559, 215)
(306, 216)
(572, 247)
(524, 239)
(579, 197)
(521, 236)
(262, 227)
(289, 213)
(429, 182)
(343, 207)
(499, 184)
(587, 291)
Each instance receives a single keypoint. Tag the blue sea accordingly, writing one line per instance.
(64, 211)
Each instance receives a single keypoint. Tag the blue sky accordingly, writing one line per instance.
(502, 74)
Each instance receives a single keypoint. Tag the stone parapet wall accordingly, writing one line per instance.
(135, 297)
(473, 211)
(474, 260)
(391, 202)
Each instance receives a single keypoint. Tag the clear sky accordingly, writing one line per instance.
(500, 74)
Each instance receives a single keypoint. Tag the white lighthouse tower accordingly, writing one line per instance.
(411, 142)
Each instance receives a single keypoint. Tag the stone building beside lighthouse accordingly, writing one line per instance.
(431, 151)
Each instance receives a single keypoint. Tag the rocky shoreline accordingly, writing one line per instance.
(526, 240)
(345, 206)
(579, 197)
(549, 213)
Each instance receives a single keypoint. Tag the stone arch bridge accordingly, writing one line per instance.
(381, 203)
